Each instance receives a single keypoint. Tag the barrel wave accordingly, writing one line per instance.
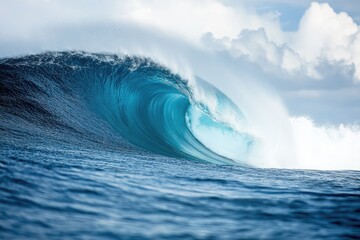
(119, 147)
(146, 105)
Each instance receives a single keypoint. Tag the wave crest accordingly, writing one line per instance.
(144, 102)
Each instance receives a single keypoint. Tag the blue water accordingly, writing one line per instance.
(97, 146)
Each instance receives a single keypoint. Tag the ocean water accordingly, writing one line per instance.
(97, 146)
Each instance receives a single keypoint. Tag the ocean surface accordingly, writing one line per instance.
(99, 146)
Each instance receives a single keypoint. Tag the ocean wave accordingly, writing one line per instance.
(144, 102)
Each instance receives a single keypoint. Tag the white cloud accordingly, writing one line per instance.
(188, 19)
(323, 35)
(191, 19)
(326, 35)
(290, 61)
(256, 45)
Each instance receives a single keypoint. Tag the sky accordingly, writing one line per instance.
(292, 67)
(307, 52)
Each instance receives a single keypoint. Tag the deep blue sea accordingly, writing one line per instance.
(96, 146)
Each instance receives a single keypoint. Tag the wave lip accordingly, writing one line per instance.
(155, 109)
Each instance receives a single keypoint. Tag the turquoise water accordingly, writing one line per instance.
(97, 146)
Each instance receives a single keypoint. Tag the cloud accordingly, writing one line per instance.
(323, 36)
(191, 19)
(323, 53)
(188, 20)
(326, 35)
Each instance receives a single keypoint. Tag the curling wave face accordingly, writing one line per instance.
(144, 102)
